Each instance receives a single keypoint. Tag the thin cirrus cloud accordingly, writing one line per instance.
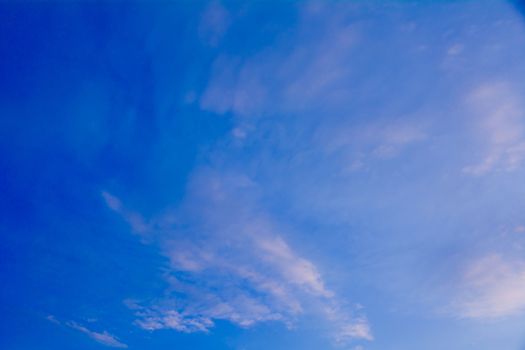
(318, 96)
(310, 85)
(214, 23)
(308, 76)
(286, 165)
(294, 74)
(104, 337)
(491, 287)
(312, 96)
(237, 266)
(500, 122)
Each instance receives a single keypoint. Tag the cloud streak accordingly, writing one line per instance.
(295, 75)
(214, 23)
(104, 337)
(236, 266)
(500, 122)
(491, 287)
(336, 139)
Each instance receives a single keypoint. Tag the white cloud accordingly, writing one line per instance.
(52, 318)
(103, 337)
(132, 218)
(230, 261)
(491, 287)
(346, 326)
(197, 312)
(500, 125)
(293, 268)
(172, 319)
(357, 330)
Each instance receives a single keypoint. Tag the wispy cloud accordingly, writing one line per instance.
(135, 220)
(305, 93)
(491, 287)
(53, 319)
(214, 23)
(347, 325)
(358, 330)
(237, 266)
(500, 124)
(304, 72)
(353, 146)
(314, 116)
(103, 337)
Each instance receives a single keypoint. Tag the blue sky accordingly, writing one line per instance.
(262, 175)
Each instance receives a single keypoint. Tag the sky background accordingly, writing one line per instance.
(262, 175)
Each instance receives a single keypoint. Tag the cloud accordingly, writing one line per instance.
(214, 23)
(491, 287)
(392, 138)
(307, 95)
(132, 218)
(103, 337)
(295, 74)
(455, 49)
(52, 318)
(347, 326)
(229, 260)
(500, 124)
(354, 146)
(357, 330)
(295, 269)
(171, 319)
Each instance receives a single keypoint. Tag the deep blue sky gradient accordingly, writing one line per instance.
(373, 151)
